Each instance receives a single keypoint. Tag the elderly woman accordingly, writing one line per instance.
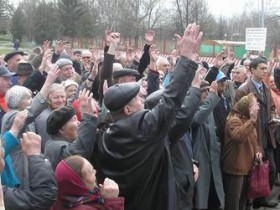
(240, 149)
(56, 99)
(78, 190)
(67, 135)
(18, 98)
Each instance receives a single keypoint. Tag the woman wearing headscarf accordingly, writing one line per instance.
(240, 149)
(78, 190)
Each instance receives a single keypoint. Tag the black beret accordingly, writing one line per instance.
(125, 72)
(58, 118)
(11, 54)
(25, 69)
(117, 96)
(152, 100)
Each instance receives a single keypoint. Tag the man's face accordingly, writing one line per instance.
(5, 85)
(66, 72)
(77, 57)
(259, 73)
(13, 62)
(238, 75)
(222, 85)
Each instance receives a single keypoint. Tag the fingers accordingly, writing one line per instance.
(178, 37)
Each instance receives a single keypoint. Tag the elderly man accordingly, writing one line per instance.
(12, 59)
(5, 85)
(67, 71)
(134, 150)
(238, 76)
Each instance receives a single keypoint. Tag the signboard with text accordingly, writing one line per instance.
(256, 39)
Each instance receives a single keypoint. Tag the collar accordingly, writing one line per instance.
(257, 84)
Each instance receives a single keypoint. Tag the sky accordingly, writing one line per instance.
(227, 8)
(230, 8)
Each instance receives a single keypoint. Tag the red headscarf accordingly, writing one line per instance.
(71, 189)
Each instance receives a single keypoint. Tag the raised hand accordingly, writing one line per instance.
(114, 39)
(31, 144)
(46, 45)
(109, 189)
(52, 74)
(87, 104)
(19, 122)
(219, 62)
(198, 77)
(107, 36)
(149, 37)
(59, 47)
(188, 44)
(214, 87)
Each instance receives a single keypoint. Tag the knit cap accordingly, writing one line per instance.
(15, 95)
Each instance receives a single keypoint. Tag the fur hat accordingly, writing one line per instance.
(117, 96)
(58, 118)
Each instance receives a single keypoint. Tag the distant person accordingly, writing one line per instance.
(16, 44)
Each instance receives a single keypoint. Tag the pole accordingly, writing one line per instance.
(262, 14)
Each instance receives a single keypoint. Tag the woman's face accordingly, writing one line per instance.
(25, 102)
(70, 129)
(89, 175)
(57, 98)
(70, 91)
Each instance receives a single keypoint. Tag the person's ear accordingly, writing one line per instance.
(127, 110)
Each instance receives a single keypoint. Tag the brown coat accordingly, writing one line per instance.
(247, 88)
(240, 145)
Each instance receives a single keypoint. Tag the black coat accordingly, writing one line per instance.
(135, 151)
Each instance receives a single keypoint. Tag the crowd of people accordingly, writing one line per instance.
(84, 129)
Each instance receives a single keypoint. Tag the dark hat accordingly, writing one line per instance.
(152, 100)
(204, 85)
(58, 118)
(125, 72)
(63, 61)
(25, 69)
(11, 54)
(4, 72)
(117, 96)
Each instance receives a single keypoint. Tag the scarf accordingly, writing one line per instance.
(72, 190)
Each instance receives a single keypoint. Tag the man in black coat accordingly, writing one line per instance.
(134, 150)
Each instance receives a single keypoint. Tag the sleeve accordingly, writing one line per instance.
(185, 115)
(239, 131)
(153, 81)
(144, 60)
(10, 142)
(157, 122)
(212, 74)
(205, 109)
(42, 189)
(85, 142)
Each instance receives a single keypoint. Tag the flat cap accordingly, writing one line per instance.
(117, 96)
(4, 72)
(62, 62)
(12, 54)
(125, 72)
(58, 118)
